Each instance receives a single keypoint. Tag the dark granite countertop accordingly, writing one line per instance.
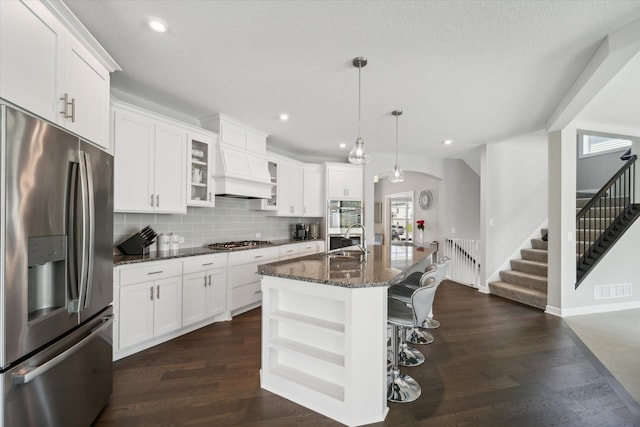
(188, 252)
(382, 265)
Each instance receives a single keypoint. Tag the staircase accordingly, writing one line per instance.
(526, 282)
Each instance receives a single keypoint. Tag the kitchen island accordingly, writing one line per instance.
(324, 328)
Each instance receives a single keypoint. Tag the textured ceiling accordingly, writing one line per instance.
(471, 71)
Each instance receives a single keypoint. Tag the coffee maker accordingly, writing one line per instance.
(301, 232)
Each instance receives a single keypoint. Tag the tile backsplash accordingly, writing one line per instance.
(230, 220)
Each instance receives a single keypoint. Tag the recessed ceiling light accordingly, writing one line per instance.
(158, 25)
(342, 145)
(284, 117)
(447, 142)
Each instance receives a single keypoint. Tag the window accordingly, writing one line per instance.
(596, 143)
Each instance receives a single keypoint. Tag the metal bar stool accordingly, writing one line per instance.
(414, 335)
(401, 387)
(414, 280)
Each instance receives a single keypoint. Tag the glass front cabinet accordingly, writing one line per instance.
(200, 191)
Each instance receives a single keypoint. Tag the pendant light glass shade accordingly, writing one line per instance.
(358, 155)
(397, 174)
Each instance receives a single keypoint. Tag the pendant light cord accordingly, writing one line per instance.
(359, 98)
(396, 140)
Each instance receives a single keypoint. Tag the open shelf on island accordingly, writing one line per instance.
(320, 385)
(289, 316)
(307, 350)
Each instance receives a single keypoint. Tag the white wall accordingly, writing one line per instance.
(415, 182)
(620, 265)
(515, 188)
(460, 201)
(381, 164)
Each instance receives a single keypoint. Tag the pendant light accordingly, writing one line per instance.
(397, 174)
(358, 155)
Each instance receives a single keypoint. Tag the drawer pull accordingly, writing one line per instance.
(156, 272)
(258, 256)
(257, 292)
(207, 263)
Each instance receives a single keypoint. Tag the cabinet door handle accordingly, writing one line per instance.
(73, 110)
(151, 296)
(209, 195)
(65, 107)
(152, 200)
(158, 292)
(157, 200)
(205, 280)
(209, 280)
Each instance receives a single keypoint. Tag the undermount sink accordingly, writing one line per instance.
(346, 255)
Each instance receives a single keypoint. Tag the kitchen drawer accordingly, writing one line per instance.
(246, 273)
(203, 263)
(245, 295)
(150, 271)
(259, 256)
(299, 249)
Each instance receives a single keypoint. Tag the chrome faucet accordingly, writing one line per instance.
(363, 241)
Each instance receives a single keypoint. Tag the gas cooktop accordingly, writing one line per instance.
(244, 244)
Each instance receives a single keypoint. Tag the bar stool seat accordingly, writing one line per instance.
(401, 387)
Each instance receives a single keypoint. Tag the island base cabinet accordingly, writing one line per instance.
(325, 347)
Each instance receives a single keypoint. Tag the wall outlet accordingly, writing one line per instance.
(258, 235)
(453, 230)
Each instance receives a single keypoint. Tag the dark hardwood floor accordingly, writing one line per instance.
(493, 363)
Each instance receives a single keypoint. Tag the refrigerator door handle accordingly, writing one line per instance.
(85, 244)
(71, 236)
(91, 229)
(28, 374)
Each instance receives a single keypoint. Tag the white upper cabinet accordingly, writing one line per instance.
(150, 164)
(290, 188)
(313, 191)
(87, 90)
(200, 187)
(51, 73)
(344, 182)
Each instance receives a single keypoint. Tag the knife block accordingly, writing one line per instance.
(134, 245)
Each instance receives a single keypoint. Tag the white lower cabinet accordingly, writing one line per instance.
(244, 280)
(150, 309)
(204, 288)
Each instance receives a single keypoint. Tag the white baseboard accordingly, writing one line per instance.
(592, 309)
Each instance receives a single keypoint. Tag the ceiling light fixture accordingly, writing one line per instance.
(397, 174)
(284, 117)
(342, 145)
(158, 25)
(447, 142)
(358, 155)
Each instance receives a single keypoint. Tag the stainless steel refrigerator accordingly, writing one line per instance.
(56, 218)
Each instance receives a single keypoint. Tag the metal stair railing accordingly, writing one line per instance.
(596, 219)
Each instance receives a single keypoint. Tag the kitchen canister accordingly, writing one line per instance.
(174, 242)
(314, 231)
(164, 241)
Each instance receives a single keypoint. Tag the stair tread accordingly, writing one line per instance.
(528, 261)
(528, 275)
(531, 297)
(522, 289)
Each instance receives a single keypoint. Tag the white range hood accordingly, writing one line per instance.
(240, 159)
(241, 174)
